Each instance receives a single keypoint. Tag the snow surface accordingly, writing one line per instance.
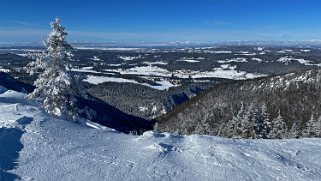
(111, 49)
(257, 59)
(89, 70)
(246, 53)
(259, 48)
(115, 65)
(229, 73)
(188, 60)
(128, 58)
(23, 54)
(95, 58)
(4, 70)
(286, 60)
(222, 52)
(161, 85)
(216, 72)
(144, 70)
(100, 79)
(156, 63)
(36, 146)
(243, 60)
(262, 53)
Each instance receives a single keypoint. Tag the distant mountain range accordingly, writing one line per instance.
(173, 43)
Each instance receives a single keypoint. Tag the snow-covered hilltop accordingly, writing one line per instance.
(37, 146)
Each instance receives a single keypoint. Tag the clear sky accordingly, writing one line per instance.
(162, 20)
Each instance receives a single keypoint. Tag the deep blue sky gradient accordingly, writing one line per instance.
(163, 20)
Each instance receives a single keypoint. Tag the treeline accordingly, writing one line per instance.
(252, 123)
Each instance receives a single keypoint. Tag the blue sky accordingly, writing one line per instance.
(163, 20)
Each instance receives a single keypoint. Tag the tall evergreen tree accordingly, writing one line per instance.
(318, 127)
(240, 126)
(313, 127)
(279, 128)
(56, 85)
(294, 131)
(247, 124)
(262, 123)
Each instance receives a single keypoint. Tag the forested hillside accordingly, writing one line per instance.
(285, 106)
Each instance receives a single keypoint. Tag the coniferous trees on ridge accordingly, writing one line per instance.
(313, 127)
(272, 107)
(56, 85)
(279, 128)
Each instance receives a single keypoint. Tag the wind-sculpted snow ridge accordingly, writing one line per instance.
(37, 146)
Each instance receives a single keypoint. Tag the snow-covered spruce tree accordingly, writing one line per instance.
(279, 128)
(262, 123)
(248, 126)
(294, 131)
(56, 85)
(313, 127)
(240, 126)
(231, 128)
(318, 128)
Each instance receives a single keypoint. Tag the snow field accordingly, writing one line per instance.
(47, 148)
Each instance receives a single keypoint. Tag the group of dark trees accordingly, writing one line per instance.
(286, 106)
(254, 123)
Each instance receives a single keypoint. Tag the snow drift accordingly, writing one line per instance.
(37, 146)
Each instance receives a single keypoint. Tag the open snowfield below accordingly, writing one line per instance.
(36, 146)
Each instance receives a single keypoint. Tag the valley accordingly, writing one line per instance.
(149, 82)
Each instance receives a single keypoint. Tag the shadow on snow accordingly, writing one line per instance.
(112, 117)
(10, 146)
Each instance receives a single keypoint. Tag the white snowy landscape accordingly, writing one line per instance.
(37, 146)
(160, 91)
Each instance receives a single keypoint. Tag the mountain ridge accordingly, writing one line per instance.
(295, 95)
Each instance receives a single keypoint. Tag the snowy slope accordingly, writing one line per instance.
(36, 146)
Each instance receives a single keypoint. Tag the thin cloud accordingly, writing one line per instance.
(219, 5)
(216, 22)
(25, 23)
(22, 32)
(114, 36)
(18, 35)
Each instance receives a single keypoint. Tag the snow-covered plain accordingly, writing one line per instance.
(110, 49)
(216, 72)
(4, 70)
(161, 85)
(188, 60)
(36, 146)
(89, 70)
(246, 53)
(128, 58)
(229, 73)
(287, 60)
(100, 79)
(257, 59)
(95, 58)
(156, 63)
(233, 60)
